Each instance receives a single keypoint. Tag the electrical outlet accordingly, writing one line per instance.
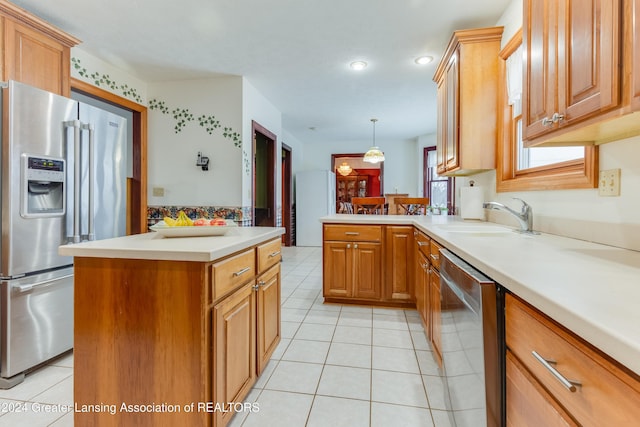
(158, 192)
(609, 183)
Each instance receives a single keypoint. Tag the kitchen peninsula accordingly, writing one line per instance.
(570, 301)
(172, 331)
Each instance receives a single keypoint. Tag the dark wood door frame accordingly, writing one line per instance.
(287, 191)
(257, 128)
(137, 194)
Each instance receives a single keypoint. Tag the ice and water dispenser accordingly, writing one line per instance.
(43, 182)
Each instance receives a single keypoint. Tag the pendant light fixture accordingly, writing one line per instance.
(374, 155)
(344, 169)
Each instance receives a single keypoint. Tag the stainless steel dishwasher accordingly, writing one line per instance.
(470, 344)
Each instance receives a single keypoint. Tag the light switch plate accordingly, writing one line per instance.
(609, 183)
(158, 192)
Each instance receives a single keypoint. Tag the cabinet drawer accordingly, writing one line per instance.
(268, 254)
(423, 243)
(434, 254)
(607, 394)
(355, 234)
(232, 272)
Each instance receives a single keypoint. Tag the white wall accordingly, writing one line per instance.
(255, 107)
(90, 65)
(172, 156)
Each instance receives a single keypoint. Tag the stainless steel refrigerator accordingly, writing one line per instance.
(315, 198)
(63, 181)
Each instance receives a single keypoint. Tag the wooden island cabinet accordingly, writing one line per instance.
(176, 338)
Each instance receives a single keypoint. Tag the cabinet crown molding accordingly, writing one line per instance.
(9, 10)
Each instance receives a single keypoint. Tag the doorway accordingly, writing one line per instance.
(355, 178)
(137, 183)
(264, 176)
(287, 183)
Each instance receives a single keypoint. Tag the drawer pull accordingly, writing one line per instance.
(435, 256)
(261, 283)
(256, 287)
(241, 272)
(276, 253)
(351, 233)
(348, 245)
(423, 243)
(568, 384)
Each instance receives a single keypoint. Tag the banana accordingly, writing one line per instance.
(181, 221)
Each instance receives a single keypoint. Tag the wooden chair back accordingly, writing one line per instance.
(411, 205)
(368, 205)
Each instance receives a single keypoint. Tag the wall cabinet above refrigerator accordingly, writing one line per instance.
(33, 51)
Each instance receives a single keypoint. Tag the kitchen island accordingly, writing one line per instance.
(173, 331)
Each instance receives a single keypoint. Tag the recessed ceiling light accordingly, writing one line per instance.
(358, 65)
(423, 60)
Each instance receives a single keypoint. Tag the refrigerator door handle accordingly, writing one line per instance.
(75, 124)
(43, 284)
(91, 129)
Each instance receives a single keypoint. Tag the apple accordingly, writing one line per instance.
(218, 221)
(200, 221)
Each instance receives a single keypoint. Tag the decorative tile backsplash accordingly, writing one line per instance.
(242, 216)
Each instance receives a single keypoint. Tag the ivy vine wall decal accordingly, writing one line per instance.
(182, 116)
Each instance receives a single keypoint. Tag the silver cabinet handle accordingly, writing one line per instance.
(276, 253)
(423, 243)
(255, 287)
(262, 283)
(241, 272)
(355, 246)
(568, 384)
(351, 233)
(557, 117)
(547, 121)
(434, 256)
(348, 245)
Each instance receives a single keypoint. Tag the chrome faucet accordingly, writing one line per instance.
(524, 217)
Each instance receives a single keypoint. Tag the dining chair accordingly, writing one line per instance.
(411, 205)
(368, 205)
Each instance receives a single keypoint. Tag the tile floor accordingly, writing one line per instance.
(337, 365)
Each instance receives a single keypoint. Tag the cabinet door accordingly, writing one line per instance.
(634, 56)
(441, 127)
(435, 313)
(35, 59)
(539, 42)
(399, 263)
(529, 404)
(367, 270)
(588, 58)
(234, 352)
(337, 269)
(452, 88)
(268, 314)
(422, 290)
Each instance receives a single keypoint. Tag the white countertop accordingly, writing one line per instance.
(591, 289)
(152, 246)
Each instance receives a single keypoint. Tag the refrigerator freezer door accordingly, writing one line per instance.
(35, 126)
(109, 172)
(37, 319)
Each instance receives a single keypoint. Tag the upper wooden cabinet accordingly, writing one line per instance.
(572, 62)
(34, 52)
(467, 79)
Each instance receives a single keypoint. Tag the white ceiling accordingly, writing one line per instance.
(295, 52)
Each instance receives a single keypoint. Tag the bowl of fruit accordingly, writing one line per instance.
(183, 226)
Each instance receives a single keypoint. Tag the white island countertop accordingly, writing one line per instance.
(591, 289)
(152, 246)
